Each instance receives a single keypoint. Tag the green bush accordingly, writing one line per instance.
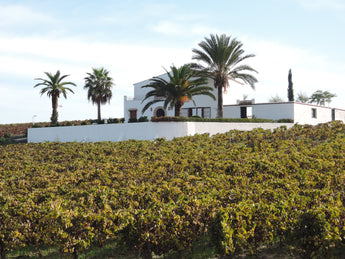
(143, 119)
(115, 120)
(285, 121)
(198, 119)
(132, 120)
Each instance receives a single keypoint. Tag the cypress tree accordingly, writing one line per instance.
(290, 89)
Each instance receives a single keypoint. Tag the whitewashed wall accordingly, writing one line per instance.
(271, 111)
(136, 104)
(222, 127)
(303, 114)
(299, 112)
(274, 111)
(340, 114)
(231, 111)
(140, 131)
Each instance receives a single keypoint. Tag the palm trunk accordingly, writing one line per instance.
(54, 118)
(220, 102)
(99, 111)
(178, 106)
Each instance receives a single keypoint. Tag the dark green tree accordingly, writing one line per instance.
(221, 58)
(98, 85)
(182, 85)
(321, 97)
(290, 88)
(54, 87)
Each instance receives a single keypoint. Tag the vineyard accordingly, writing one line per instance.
(20, 129)
(238, 192)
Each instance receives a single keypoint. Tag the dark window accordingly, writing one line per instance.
(203, 112)
(133, 114)
(313, 113)
(190, 112)
(333, 114)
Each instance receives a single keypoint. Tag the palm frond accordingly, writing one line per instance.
(182, 82)
(222, 56)
(150, 103)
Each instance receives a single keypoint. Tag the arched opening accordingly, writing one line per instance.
(160, 112)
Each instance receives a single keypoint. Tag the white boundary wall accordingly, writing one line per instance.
(139, 131)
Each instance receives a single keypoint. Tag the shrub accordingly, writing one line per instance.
(87, 122)
(143, 119)
(198, 119)
(115, 120)
(132, 120)
(52, 125)
(285, 121)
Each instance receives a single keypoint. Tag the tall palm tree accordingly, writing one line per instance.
(54, 87)
(222, 57)
(98, 85)
(181, 86)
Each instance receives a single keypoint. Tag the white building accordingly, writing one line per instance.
(301, 113)
(206, 107)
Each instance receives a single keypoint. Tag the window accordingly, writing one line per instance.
(333, 114)
(132, 114)
(313, 113)
(203, 112)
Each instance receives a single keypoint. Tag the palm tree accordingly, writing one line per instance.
(99, 85)
(222, 57)
(54, 87)
(181, 87)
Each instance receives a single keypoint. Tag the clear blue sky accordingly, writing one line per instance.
(134, 40)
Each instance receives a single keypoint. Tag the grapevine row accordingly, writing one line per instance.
(243, 190)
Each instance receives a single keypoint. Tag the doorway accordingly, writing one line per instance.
(243, 112)
(160, 112)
